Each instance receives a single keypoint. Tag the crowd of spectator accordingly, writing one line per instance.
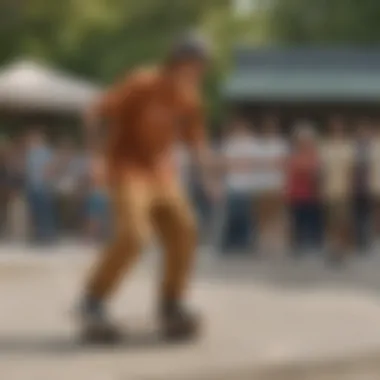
(314, 189)
(50, 191)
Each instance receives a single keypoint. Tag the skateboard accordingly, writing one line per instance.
(138, 333)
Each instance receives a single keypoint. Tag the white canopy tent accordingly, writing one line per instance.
(30, 87)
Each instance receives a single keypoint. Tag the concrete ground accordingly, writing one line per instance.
(276, 320)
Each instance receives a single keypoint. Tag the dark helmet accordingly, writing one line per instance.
(190, 47)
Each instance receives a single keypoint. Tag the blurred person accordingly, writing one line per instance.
(4, 185)
(18, 224)
(374, 180)
(67, 172)
(271, 203)
(361, 191)
(303, 170)
(237, 151)
(148, 113)
(39, 187)
(337, 170)
(97, 204)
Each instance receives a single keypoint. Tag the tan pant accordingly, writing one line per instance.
(270, 208)
(339, 225)
(140, 205)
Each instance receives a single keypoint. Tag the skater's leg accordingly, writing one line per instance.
(176, 228)
(130, 203)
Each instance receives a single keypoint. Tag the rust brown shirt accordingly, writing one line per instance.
(147, 118)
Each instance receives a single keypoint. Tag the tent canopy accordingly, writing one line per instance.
(30, 87)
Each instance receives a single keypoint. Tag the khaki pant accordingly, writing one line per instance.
(339, 225)
(271, 217)
(140, 205)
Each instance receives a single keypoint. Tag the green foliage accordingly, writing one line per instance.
(97, 38)
(347, 22)
(101, 39)
(227, 31)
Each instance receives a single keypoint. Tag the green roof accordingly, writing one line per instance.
(305, 75)
(303, 85)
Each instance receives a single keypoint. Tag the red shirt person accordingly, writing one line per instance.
(303, 190)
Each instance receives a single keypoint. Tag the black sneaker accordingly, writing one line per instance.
(96, 326)
(177, 322)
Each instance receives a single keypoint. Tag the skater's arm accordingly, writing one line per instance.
(195, 136)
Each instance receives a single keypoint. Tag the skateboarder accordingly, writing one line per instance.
(147, 114)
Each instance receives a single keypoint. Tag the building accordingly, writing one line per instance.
(305, 83)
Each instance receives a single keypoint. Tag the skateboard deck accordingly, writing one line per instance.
(136, 333)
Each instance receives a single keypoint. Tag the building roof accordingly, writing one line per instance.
(29, 86)
(305, 75)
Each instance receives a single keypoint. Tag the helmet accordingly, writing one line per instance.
(190, 47)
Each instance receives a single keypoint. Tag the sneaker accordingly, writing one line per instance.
(177, 322)
(96, 326)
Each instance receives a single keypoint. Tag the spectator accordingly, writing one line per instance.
(18, 220)
(4, 186)
(375, 180)
(97, 205)
(303, 190)
(337, 170)
(39, 177)
(271, 201)
(361, 185)
(67, 172)
(238, 149)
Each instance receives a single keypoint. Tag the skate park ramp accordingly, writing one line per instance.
(252, 330)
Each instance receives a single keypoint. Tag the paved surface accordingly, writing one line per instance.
(255, 328)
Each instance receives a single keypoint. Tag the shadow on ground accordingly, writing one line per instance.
(59, 345)
(308, 273)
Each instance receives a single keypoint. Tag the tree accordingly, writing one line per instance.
(101, 39)
(227, 30)
(353, 22)
(97, 38)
